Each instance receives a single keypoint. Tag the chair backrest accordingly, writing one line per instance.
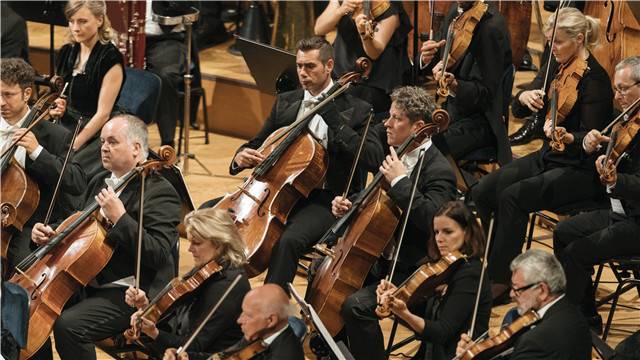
(140, 94)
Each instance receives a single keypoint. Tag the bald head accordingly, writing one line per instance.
(265, 310)
(271, 299)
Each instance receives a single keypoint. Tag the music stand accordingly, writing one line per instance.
(268, 64)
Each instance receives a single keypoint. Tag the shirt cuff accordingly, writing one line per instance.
(34, 155)
(396, 179)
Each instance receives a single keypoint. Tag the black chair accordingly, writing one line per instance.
(140, 94)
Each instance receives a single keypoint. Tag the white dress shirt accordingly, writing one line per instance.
(410, 160)
(317, 127)
(6, 134)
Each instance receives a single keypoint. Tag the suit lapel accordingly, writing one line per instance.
(291, 106)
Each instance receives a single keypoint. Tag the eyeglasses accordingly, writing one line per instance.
(624, 90)
(520, 290)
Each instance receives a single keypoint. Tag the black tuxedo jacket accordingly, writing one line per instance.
(342, 142)
(161, 217)
(46, 169)
(285, 346)
(561, 334)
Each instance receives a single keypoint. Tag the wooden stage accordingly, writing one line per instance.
(236, 111)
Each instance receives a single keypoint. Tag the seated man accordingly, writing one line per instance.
(538, 284)
(265, 314)
(587, 239)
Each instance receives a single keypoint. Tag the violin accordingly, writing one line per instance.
(175, 291)
(372, 10)
(459, 35)
(495, 345)
(623, 135)
(70, 260)
(424, 281)
(243, 353)
(363, 233)
(295, 163)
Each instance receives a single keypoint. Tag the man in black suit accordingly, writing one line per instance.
(102, 312)
(265, 318)
(411, 108)
(587, 239)
(337, 127)
(40, 153)
(538, 283)
(475, 102)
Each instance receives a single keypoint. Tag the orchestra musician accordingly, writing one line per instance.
(385, 44)
(450, 310)
(538, 283)
(587, 239)
(94, 70)
(338, 127)
(40, 153)
(548, 179)
(265, 314)
(213, 237)
(475, 102)
(124, 145)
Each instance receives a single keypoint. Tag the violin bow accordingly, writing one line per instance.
(414, 188)
(186, 345)
(482, 272)
(64, 168)
(143, 177)
(355, 161)
(621, 116)
(31, 126)
(62, 96)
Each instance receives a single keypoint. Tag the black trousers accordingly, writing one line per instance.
(19, 247)
(465, 135)
(166, 58)
(586, 240)
(519, 188)
(309, 220)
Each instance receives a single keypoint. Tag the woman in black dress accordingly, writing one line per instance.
(213, 237)
(387, 48)
(449, 312)
(93, 68)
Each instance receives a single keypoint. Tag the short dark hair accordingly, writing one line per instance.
(316, 43)
(415, 102)
(17, 71)
(474, 240)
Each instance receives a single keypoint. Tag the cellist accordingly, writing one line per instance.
(411, 108)
(40, 153)
(338, 128)
(102, 311)
(589, 238)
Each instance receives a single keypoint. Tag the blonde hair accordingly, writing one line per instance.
(99, 9)
(573, 22)
(216, 226)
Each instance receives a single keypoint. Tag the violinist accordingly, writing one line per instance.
(411, 108)
(40, 153)
(213, 237)
(94, 69)
(538, 283)
(589, 238)
(102, 311)
(450, 310)
(381, 36)
(548, 179)
(265, 314)
(338, 127)
(475, 102)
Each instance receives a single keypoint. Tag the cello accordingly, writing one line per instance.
(70, 260)
(295, 164)
(371, 223)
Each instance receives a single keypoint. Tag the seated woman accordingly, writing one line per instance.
(449, 312)
(213, 237)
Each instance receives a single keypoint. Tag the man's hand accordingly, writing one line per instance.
(111, 205)
(171, 354)
(463, 344)
(248, 158)
(602, 170)
(61, 107)
(430, 49)
(136, 298)
(532, 99)
(339, 206)
(593, 141)
(29, 141)
(41, 234)
(392, 167)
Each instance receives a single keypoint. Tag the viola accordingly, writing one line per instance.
(243, 353)
(372, 10)
(623, 135)
(424, 281)
(495, 345)
(175, 291)
(70, 260)
(364, 232)
(428, 26)
(459, 37)
(295, 164)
